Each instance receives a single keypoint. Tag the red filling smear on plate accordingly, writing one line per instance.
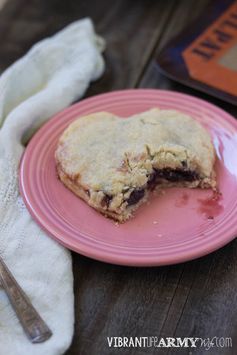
(211, 207)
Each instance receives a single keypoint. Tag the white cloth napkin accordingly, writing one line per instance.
(53, 74)
(2, 3)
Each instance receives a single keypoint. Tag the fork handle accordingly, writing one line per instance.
(34, 326)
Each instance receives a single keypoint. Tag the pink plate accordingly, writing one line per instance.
(180, 225)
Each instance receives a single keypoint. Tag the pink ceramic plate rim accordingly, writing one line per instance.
(115, 254)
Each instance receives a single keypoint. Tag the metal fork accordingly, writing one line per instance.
(34, 326)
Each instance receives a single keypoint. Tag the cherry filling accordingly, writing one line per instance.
(106, 200)
(167, 174)
(171, 175)
(135, 196)
(157, 174)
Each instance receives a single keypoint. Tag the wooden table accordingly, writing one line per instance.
(194, 299)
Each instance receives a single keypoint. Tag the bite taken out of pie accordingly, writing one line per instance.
(113, 163)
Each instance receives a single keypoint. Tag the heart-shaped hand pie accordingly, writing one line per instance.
(113, 163)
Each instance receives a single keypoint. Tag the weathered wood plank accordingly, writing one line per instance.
(193, 299)
(130, 28)
(204, 302)
(183, 15)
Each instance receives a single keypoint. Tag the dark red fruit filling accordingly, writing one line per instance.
(135, 196)
(171, 175)
(106, 200)
(157, 174)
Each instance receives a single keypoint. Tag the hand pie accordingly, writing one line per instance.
(114, 163)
